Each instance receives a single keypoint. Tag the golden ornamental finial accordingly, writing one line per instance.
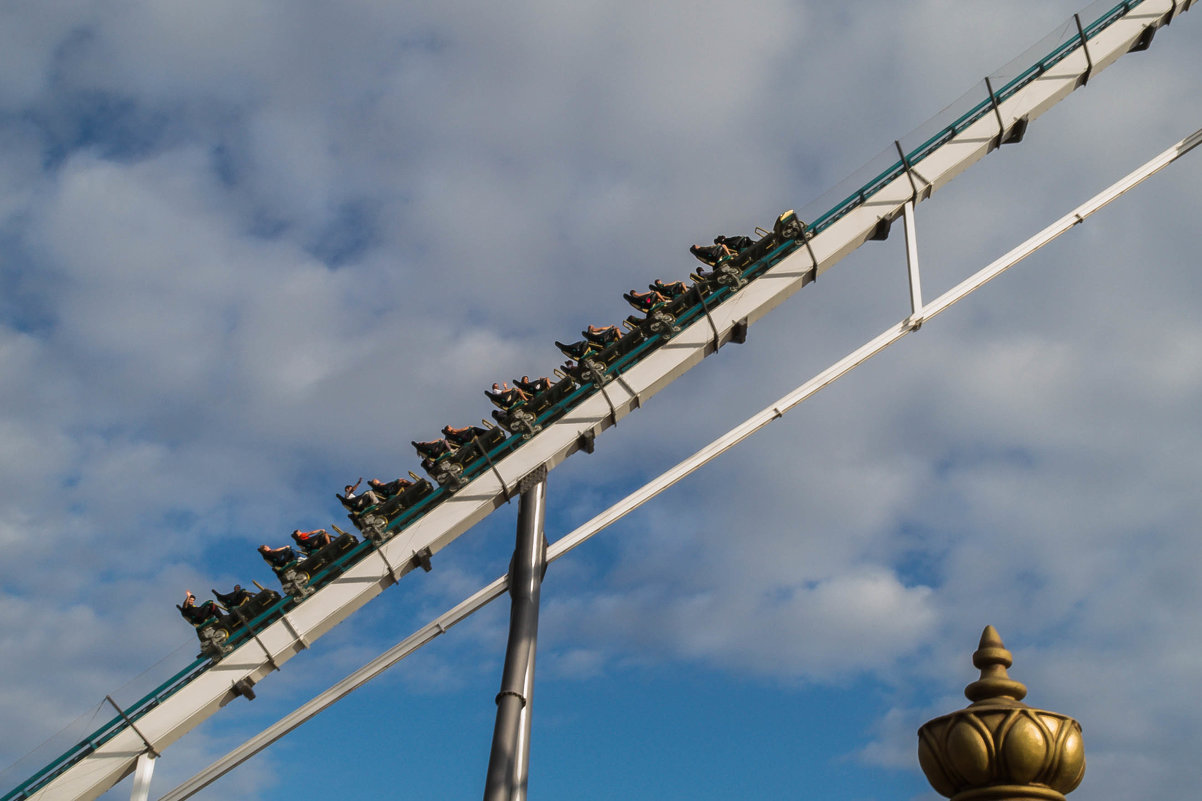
(998, 748)
(995, 684)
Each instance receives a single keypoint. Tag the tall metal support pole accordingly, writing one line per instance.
(509, 759)
(521, 762)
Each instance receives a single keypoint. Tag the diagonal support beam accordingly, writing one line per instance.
(142, 774)
(916, 312)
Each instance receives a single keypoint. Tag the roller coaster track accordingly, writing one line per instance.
(485, 595)
(864, 212)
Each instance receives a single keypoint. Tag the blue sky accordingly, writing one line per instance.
(249, 252)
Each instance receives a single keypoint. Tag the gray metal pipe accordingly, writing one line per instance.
(509, 758)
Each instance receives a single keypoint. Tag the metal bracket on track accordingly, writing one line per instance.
(296, 635)
(705, 308)
(270, 659)
(806, 236)
(1017, 131)
(1085, 48)
(634, 396)
(738, 333)
(150, 749)
(1144, 41)
(245, 688)
(497, 473)
(422, 559)
(1001, 135)
(392, 571)
(613, 412)
(532, 479)
(915, 193)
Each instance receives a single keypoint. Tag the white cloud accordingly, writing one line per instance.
(249, 253)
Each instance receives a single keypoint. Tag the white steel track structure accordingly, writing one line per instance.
(1127, 25)
(487, 594)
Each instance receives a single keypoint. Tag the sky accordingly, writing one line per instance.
(248, 251)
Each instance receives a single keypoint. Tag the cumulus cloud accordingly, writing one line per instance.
(249, 253)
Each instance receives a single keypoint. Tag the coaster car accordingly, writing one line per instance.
(448, 469)
(410, 496)
(592, 368)
(786, 227)
(374, 522)
(522, 418)
(662, 318)
(728, 271)
(295, 577)
(217, 633)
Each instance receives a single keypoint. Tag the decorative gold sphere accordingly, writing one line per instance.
(998, 748)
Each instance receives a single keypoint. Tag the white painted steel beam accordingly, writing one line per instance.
(142, 774)
(282, 640)
(915, 319)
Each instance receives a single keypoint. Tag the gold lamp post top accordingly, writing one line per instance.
(998, 748)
